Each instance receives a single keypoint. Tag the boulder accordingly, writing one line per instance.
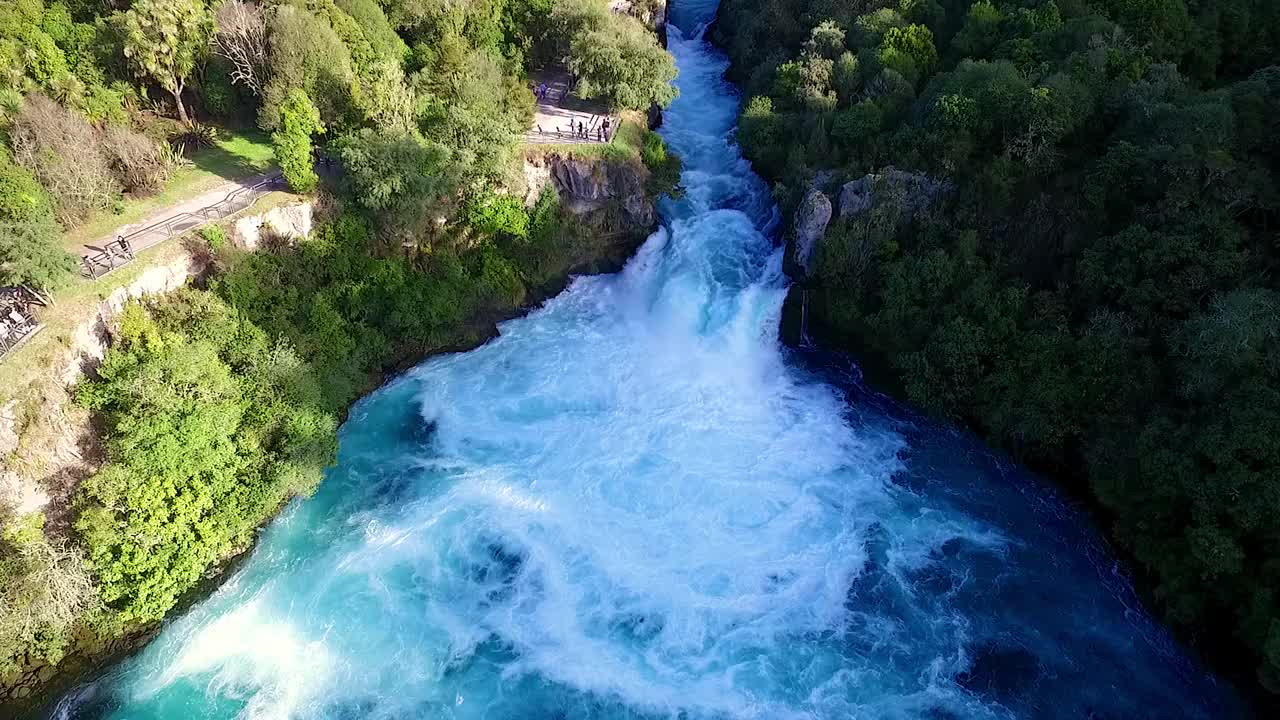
(810, 225)
(855, 196)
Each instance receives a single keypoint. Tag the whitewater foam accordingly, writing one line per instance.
(635, 504)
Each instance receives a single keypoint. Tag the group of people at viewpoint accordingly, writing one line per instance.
(597, 129)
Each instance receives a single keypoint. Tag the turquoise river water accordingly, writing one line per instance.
(636, 504)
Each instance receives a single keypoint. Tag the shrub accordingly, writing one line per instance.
(30, 240)
(102, 104)
(213, 236)
(495, 214)
(31, 254)
(299, 120)
(136, 161)
(194, 136)
(306, 53)
(44, 590)
(664, 167)
(62, 150)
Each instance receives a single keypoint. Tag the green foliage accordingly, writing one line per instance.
(981, 32)
(307, 54)
(471, 106)
(382, 38)
(622, 65)
(214, 236)
(299, 120)
(664, 167)
(164, 39)
(1098, 291)
(399, 175)
(29, 56)
(501, 215)
(210, 428)
(31, 254)
(614, 56)
(909, 51)
(64, 152)
(44, 591)
(22, 199)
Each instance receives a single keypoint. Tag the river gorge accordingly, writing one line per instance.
(636, 503)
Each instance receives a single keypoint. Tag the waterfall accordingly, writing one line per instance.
(635, 503)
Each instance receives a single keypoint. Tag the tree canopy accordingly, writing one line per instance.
(1096, 293)
(163, 39)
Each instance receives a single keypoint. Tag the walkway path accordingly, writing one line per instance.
(176, 219)
(556, 118)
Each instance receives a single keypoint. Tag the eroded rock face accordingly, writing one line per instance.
(537, 175)
(289, 221)
(810, 225)
(8, 427)
(587, 185)
(90, 339)
(855, 196)
(20, 497)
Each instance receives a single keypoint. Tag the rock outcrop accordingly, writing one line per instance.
(289, 222)
(910, 193)
(586, 185)
(809, 226)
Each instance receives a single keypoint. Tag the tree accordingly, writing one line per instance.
(622, 64)
(241, 38)
(163, 39)
(299, 120)
(981, 31)
(306, 53)
(30, 241)
(44, 589)
(910, 51)
(31, 254)
(406, 179)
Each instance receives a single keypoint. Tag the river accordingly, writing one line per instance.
(635, 503)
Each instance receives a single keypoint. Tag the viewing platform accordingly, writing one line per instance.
(560, 118)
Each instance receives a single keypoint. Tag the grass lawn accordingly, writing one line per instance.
(237, 154)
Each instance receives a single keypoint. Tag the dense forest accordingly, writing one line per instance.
(1097, 293)
(217, 404)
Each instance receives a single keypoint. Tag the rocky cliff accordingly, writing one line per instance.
(594, 187)
(894, 197)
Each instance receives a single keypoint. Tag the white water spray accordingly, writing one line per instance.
(632, 504)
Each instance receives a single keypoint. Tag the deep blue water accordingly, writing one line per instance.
(636, 504)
